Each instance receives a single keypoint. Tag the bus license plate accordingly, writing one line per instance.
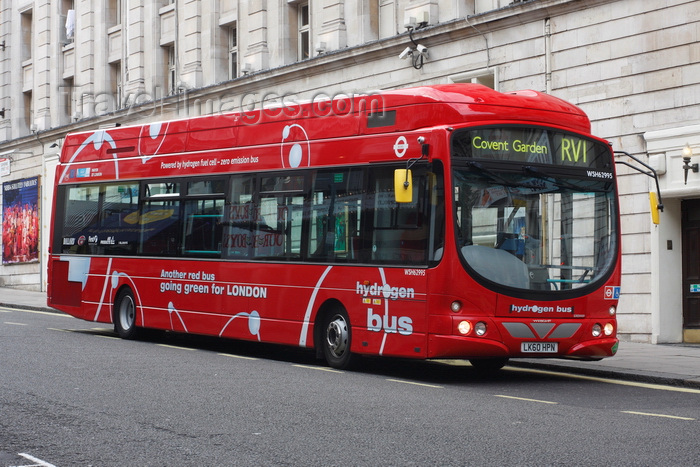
(539, 347)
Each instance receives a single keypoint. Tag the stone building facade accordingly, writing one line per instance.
(632, 65)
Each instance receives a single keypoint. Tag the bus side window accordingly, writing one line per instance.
(239, 219)
(280, 210)
(400, 230)
(160, 222)
(268, 239)
(81, 218)
(414, 239)
(335, 217)
(160, 219)
(203, 216)
(203, 227)
(119, 229)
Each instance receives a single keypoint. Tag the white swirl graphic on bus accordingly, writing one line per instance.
(295, 154)
(253, 323)
(97, 139)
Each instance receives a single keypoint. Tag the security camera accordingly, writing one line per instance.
(423, 50)
(406, 52)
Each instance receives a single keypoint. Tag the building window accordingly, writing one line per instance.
(28, 110)
(387, 18)
(171, 79)
(26, 35)
(304, 31)
(117, 84)
(68, 106)
(232, 52)
(114, 13)
(68, 20)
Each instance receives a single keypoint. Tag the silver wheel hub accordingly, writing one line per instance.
(337, 336)
(127, 313)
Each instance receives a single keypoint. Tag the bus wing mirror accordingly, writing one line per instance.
(403, 186)
(654, 205)
(654, 198)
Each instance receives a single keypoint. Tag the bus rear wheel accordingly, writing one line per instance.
(336, 340)
(125, 315)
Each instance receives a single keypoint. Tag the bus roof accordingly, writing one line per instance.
(362, 114)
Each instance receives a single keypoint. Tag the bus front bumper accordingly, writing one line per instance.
(593, 349)
(442, 346)
(446, 346)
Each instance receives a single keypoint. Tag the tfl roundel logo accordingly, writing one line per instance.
(612, 292)
(400, 146)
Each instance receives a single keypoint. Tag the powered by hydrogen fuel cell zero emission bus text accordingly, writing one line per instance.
(447, 221)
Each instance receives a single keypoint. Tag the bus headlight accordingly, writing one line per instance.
(464, 327)
(596, 330)
(609, 329)
(480, 328)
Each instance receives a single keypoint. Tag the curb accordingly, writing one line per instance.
(623, 374)
(19, 306)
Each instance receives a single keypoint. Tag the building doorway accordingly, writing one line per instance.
(690, 211)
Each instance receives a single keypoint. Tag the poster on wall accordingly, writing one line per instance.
(20, 221)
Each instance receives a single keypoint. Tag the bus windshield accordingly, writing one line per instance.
(532, 226)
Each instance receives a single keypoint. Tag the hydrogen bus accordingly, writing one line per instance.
(446, 221)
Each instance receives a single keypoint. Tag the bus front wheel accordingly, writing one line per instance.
(125, 315)
(336, 340)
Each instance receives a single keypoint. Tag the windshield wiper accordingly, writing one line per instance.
(496, 177)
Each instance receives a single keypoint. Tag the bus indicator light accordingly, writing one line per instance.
(464, 327)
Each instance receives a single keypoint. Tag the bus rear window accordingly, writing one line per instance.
(101, 219)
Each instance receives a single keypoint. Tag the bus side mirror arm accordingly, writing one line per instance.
(654, 198)
(403, 190)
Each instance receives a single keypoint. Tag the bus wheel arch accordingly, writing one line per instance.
(124, 313)
(333, 335)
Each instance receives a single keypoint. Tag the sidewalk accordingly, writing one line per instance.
(675, 364)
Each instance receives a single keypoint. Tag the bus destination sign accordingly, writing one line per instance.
(530, 145)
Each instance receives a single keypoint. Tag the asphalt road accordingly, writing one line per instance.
(72, 394)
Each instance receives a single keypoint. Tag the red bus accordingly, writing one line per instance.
(301, 225)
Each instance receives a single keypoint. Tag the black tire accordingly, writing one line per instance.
(336, 336)
(125, 315)
(488, 365)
